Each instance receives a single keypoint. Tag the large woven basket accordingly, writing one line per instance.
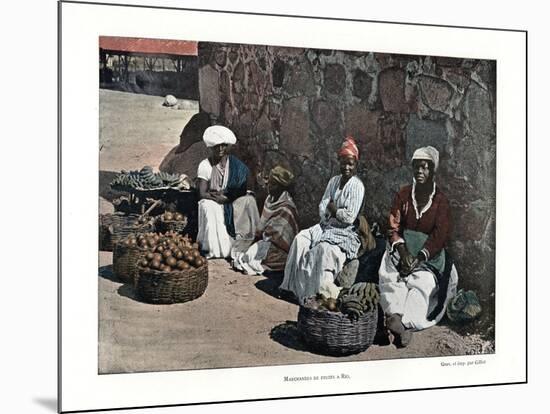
(125, 262)
(172, 225)
(153, 286)
(333, 333)
(116, 227)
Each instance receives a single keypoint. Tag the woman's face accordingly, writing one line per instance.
(219, 151)
(348, 166)
(421, 171)
(273, 187)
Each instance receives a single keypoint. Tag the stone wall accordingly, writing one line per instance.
(294, 106)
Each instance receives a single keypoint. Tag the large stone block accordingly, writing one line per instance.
(387, 150)
(422, 132)
(299, 80)
(392, 91)
(209, 90)
(295, 138)
(256, 79)
(233, 55)
(471, 222)
(286, 52)
(362, 84)
(238, 72)
(478, 111)
(220, 57)
(436, 93)
(362, 124)
(225, 86)
(278, 73)
(335, 78)
(327, 117)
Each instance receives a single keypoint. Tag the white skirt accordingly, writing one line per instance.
(413, 297)
(213, 237)
(309, 271)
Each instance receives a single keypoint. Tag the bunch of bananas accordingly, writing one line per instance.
(360, 298)
(146, 179)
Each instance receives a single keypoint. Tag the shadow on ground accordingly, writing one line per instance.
(287, 334)
(270, 285)
(128, 291)
(106, 272)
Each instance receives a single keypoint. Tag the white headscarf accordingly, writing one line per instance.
(427, 153)
(218, 134)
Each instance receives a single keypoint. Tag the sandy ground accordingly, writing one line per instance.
(239, 321)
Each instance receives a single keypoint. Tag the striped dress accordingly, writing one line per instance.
(318, 254)
(340, 230)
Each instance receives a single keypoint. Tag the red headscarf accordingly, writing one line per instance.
(349, 147)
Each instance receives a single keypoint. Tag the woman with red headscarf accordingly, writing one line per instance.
(318, 254)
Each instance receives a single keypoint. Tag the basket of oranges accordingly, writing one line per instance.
(171, 270)
(170, 221)
(116, 227)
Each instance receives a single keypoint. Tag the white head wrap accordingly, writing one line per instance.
(217, 134)
(427, 153)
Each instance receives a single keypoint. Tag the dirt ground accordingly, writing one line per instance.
(239, 321)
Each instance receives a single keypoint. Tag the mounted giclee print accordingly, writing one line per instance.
(287, 207)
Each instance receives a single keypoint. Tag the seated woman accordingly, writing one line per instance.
(276, 231)
(318, 254)
(226, 211)
(416, 276)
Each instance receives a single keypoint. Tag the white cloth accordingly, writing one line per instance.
(307, 269)
(213, 236)
(245, 217)
(204, 171)
(414, 297)
(218, 134)
(427, 153)
(250, 261)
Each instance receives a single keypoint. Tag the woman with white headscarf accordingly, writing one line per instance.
(417, 276)
(226, 211)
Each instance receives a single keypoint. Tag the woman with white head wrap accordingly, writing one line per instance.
(417, 276)
(226, 211)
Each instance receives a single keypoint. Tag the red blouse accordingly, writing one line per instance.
(435, 221)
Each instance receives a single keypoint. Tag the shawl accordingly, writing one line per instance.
(278, 222)
(235, 188)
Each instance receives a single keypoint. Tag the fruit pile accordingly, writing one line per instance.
(354, 302)
(360, 298)
(169, 216)
(146, 179)
(166, 252)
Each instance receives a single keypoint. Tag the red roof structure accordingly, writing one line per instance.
(138, 46)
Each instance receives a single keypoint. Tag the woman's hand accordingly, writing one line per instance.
(407, 261)
(331, 208)
(219, 197)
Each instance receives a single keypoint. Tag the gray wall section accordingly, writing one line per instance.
(294, 106)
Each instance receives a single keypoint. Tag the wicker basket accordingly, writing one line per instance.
(153, 286)
(116, 227)
(333, 333)
(125, 261)
(163, 226)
